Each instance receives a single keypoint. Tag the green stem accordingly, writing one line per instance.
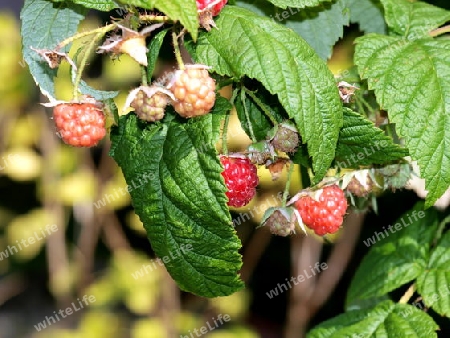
(247, 116)
(440, 229)
(440, 31)
(83, 63)
(262, 106)
(98, 31)
(177, 51)
(288, 183)
(408, 294)
(144, 75)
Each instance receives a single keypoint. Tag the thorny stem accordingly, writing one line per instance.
(225, 125)
(261, 105)
(288, 184)
(98, 31)
(177, 51)
(83, 63)
(408, 294)
(440, 31)
(247, 116)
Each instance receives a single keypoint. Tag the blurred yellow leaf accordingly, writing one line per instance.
(28, 233)
(78, 187)
(235, 305)
(148, 328)
(135, 223)
(21, 164)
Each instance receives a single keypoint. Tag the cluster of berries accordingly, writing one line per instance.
(191, 92)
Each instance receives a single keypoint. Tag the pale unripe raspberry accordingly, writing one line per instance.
(194, 92)
(285, 138)
(152, 108)
(281, 221)
(79, 124)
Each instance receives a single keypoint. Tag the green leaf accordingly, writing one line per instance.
(257, 119)
(361, 143)
(434, 284)
(411, 80)
(44, 25)
(297, 3)
(100, 5)
(320, 26)
(100, 95)
(184, 11)
(386, 319)
(413, 20)
(368, 14)
(286, 66)
(259, 123)
(153, 52)
(183, 200)
(398, 255)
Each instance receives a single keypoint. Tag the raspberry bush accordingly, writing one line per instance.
(349, 135)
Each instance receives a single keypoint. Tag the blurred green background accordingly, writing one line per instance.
(102, 251)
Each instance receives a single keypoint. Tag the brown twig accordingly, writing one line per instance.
(58, 261)
(307, 299)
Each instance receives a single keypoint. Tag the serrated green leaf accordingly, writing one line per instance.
(297, 3)
(184, 11)
(368, 14)
(320, 26)
(153, 52)
(386, 319)
(100, 95)
(100, 5)
(413, 20)
(411, 80)
(434, 284)
(44, 25)
(184, 200)
(398, 255)
(361, 143)
(286, 66)
(360, 304)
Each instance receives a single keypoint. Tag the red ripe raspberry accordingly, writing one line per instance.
(79, 124)
(241, 180)
(194, 92)
(324, 215)
(215, 6)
